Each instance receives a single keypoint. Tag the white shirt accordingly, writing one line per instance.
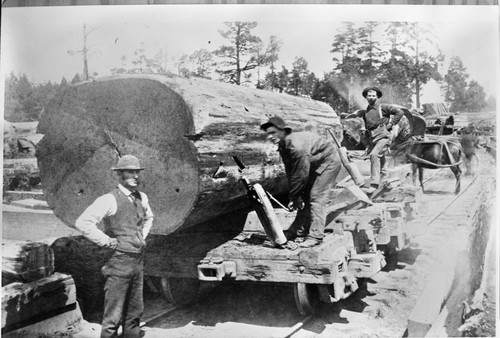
(105, 206)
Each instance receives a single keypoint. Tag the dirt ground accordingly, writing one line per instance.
(382, 305)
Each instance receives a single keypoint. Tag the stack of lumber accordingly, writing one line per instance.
(35, 300)
(25, 261)
(45, 307)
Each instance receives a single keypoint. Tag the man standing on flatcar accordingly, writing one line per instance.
(378, 125)
(311, 164)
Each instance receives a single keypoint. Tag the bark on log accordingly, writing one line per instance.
(183, 130)
(25, 261)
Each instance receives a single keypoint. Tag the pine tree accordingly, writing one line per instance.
(244, 54)
(455, 85)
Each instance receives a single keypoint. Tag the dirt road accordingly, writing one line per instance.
(441, 237)
(447, 231)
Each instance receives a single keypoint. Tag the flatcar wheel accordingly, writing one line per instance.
(177, 291)
(306, 297)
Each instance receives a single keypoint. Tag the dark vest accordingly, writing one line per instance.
(127, 224)
(373, 117)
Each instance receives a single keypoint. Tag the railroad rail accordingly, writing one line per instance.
(307, 321)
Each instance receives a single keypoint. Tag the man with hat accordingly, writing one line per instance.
(377, 118)
(127, 219)
(311, 165)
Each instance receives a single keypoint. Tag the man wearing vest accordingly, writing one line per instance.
(378, 125)
(127, 219)
(311, 165)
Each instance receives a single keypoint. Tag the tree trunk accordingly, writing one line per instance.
(184, 131)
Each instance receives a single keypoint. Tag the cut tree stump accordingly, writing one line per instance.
(25, 261)
(185, 132)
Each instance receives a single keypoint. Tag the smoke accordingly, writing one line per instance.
(351, 90)
(358, 99)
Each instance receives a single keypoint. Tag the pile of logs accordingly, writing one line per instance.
(35, 300)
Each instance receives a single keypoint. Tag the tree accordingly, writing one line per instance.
(327, 90)
(283, 79)
(455, 85)
(271, 81)
(24, 100)
(349, 66)
(76, 79)
(475, 97)
(202, 61)
(12, 104)
(368, 50)
(299, 76)
(491, 104)
(408, 68)
(142, 63)
(182, 64)
(267, 55)
(395, 63)
(244, 54)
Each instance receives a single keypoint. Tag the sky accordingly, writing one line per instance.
(43, 42)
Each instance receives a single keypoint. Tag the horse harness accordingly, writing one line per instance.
(443, 145)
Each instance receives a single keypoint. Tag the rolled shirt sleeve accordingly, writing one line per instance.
(393, 110)
(103, 206)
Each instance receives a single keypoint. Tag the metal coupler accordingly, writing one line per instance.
(216, 269)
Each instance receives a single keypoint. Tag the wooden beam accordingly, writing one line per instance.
(24, 304)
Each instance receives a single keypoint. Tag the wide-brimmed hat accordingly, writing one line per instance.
(277, 122)
(128, 162)
(378, 91)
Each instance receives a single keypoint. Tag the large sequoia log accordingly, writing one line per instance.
(185, 131)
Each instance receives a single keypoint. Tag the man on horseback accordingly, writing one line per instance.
(378, 125)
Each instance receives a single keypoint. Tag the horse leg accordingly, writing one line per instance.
(414, 173)
(421, 177)
(457, 172)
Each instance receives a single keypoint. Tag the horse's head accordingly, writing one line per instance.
(353, 129)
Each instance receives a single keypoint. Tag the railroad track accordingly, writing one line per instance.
(303, 324)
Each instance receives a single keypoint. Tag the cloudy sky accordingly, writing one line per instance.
(38, 41)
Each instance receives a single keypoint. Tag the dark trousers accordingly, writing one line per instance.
(123, 303)
(310, 221)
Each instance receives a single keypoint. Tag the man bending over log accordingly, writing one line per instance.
(311, 165)
(127, 219)
(378, 125)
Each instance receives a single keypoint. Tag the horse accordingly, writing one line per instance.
(434, 153)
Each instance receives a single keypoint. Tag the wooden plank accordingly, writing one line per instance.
(402, 193)
(67, 322)
(283, 271)
(25, 303)
(256, 258)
